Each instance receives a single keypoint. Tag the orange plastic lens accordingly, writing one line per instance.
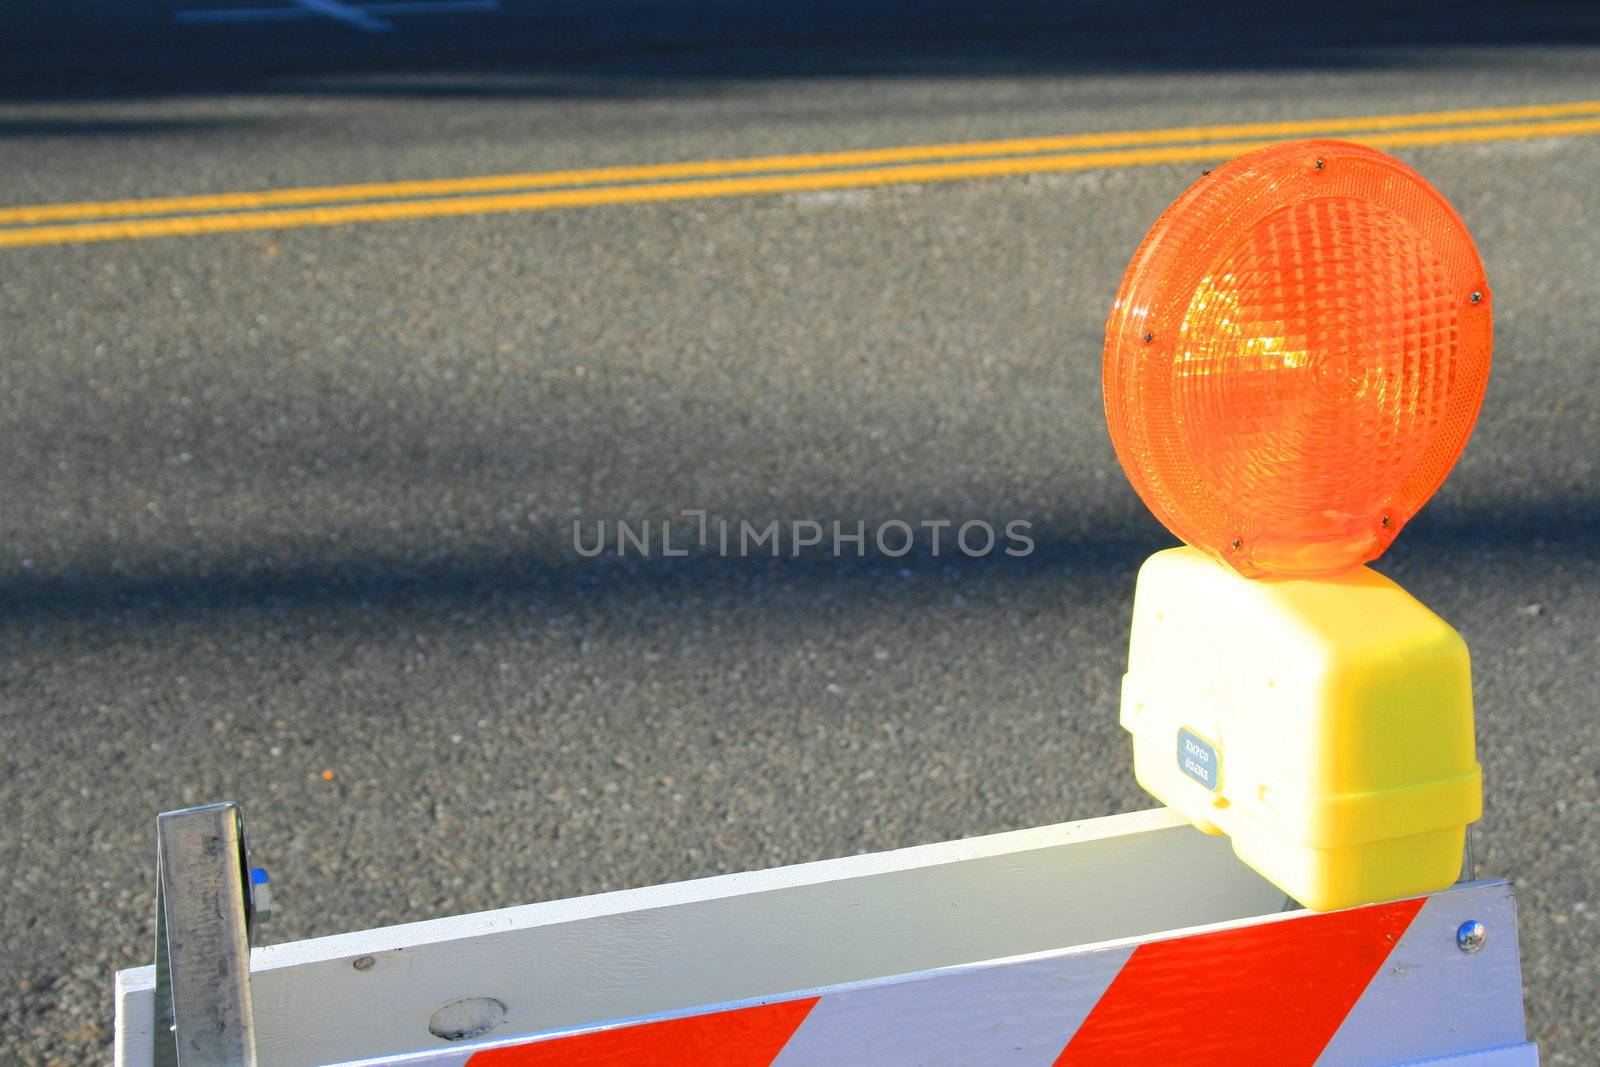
(1296, 357)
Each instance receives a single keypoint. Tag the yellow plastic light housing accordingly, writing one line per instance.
(1324, 725)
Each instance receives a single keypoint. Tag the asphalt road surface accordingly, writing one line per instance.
(286, 513)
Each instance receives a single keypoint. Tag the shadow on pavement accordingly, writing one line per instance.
(555, 578)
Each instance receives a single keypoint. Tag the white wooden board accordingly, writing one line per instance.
(640, 952)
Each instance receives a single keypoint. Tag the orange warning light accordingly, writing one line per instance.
(1296, 357)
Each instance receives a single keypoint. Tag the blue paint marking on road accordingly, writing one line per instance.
(370, 17)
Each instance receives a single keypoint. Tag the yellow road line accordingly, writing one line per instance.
(169, 205)
(546, 200)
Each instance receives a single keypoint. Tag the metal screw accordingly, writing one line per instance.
(1470, 936)
(1238, 543)
(1384, 522)
(1477, 297)
(1317, 165)
(363, 963)
(1149, 337)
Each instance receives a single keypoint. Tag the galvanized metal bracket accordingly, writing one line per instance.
(207, 905)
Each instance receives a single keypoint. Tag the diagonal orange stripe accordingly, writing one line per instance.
(743, 1037)
(1270, 995)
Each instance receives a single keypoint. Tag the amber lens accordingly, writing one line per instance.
(1296, 357)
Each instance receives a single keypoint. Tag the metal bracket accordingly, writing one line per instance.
(208, 901)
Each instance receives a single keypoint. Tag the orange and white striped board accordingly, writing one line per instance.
(1062, 946)
(1384, 984)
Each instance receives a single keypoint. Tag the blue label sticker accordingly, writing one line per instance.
(1199, 759)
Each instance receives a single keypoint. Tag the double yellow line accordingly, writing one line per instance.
(336, 205)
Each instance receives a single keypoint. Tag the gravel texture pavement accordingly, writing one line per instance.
(286, 516)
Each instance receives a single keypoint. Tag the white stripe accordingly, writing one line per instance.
(1430, 999)
(1016, 1016)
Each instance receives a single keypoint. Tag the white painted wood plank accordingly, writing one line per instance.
(573, 963)
(132, 1041)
